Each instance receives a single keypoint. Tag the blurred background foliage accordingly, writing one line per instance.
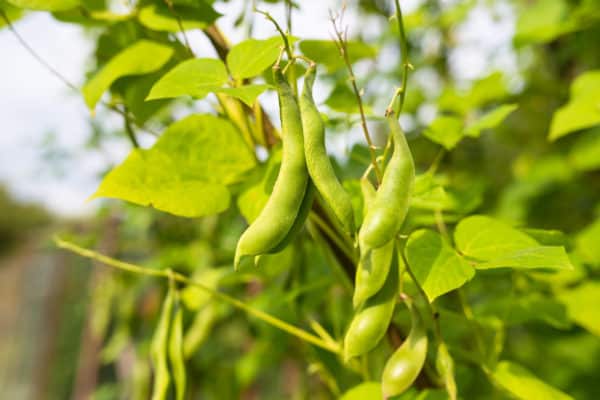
(532, 168)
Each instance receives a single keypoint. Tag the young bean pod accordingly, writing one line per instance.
(371, 321)
(403, 367)
(372, 269)
(318, 163)
(444, 364)
(388, 210)
(280, 212)
(176, 353)
(159, 350)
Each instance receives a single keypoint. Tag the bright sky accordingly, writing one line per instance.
(37, 108)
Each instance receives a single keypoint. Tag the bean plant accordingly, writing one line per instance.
(450, 248)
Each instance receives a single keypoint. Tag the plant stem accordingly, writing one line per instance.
(341, 43)
(168, 274)
(406, 65)
(333, 236)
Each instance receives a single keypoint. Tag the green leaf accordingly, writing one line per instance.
(45, 5)
(490, 119)
(546, 257)
(486, 238)
(365, 390)
(445, 130)
(326, 52)
(251, 57)
(193, 78)
(540, 21)
(435, 264)
(160, 18)
(587, 244)
(583, 109)
(140, 58)
(246, 93)
(518, 310)
(573, 116)
(585, 153)
(186, 172)
(523, 384)
(11, 13)
(582, 305)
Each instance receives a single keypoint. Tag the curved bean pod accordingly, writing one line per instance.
(318, 163)
(388, 210)
(280, 212)
(159, 350)
(370, 323)
(372, 269)
(403, 367)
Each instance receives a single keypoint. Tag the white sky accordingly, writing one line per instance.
(35, 104)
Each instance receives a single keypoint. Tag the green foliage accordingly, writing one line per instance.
(499, 250)
(147, 177)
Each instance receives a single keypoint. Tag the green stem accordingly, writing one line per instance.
(167, 274)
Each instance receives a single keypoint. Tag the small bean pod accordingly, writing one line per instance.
(403, 367)
(176, 353)
(159, 350)
(388, 210)
(372, 269)
(318, 163)
(444, 364)
(280, 212)
(371, 321)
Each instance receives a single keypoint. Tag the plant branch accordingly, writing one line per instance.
(169, 274)
(341, 41)
(129, 129)
(169, 4)
(406, 65)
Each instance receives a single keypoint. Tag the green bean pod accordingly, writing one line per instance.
(372, 269)
(305, 207)
(176, 354)
(444, 364)
(159, 350)
(403, 367)
(371, 321)
(388, 210)
(200, 329)
(318, 163)
(280, 212)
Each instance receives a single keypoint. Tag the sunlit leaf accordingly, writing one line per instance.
(45, 5)
(186, 172)
(192, 78)
(246, 93)
(523, 384)
(160, 18)
(140, 58)
(588, 243)
(10, 12)
(435, 264)
(490, 119)
(326, 52)
(585, 153)
(486, 238)
(445, 130)
(365, 390)
(546, 257)
(249, 58)
(582, 110)
(540, 21)
(582, 305)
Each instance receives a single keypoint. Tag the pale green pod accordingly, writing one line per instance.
(371, 321)
(159, 350)
(372, 269)
(200, 329)
(403, 367)
(444, 364)
(176, 354)
(390, 206)
(318, 163)
(279, 213)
